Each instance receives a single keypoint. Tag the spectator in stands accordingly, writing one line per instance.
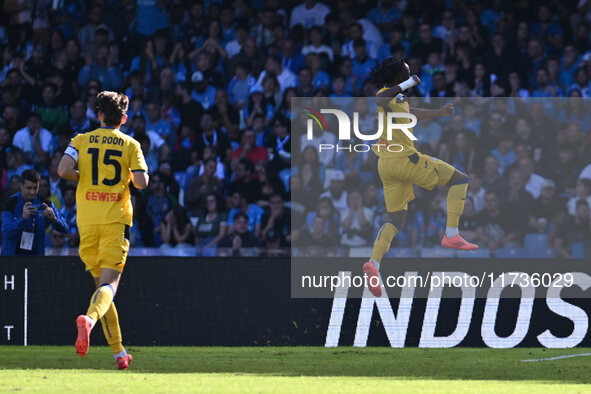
(154, 146)
(33, 140)
(15, 165)
(356, 221)
(190, 109)
(44, 193)
(237, 203)
(102, 67)
(155, 124)
(533, 182)
(309, 14)
(576, 229)
(79, 120)
(336, 191)
(468, 221)
(582, 192)
(277, 218)
(228, 117)
(496, 229)
(52, 115)
(68, 212)
(492, 180)
(202, 92)
(202, 185)
(279, 146)
(212, 225)
(316, 45)
(158, 204)
(546, 209)
(315, 241)
(211, 136)
(431, 222)
(245, 182)
(25, 218)
(476, 191)
(176, 229)
(284, 75)
(183, 147)
(240, 239)
(504, 152)
(271, 184)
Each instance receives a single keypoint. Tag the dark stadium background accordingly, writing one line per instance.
(193, 67)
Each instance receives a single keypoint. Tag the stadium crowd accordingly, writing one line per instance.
(210, 85)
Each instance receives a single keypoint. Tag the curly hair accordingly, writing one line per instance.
(113, 106)
(389, 72)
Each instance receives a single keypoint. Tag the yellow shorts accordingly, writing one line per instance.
(398, 174)
(104, 246)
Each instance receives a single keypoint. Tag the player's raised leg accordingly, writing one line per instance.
(100, 302)
(380, 247)
(112, 331)
(458, 187)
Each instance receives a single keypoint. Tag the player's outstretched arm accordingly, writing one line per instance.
(67, 168)
(446, 110)
(140, 179)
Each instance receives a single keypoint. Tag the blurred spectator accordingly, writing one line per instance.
(202, 185)
(504, 152)
(212, 225)
(158, 204)
(79, 120)
(468, 221)
(582, 192)
(356, 221)
(68, 211)
(237, 203)
(279, 146)
(518, 200)
(336, 191)
(211, 136)
(33, 140)
(103, 68)
(546, 208)
(277, 219)
(241, 238)
(492, 180)
(271, 184)
(576, 229)
(314, 237)
(176, 229)
(309, 14)
(245, 182)
(533, 182)
(496, 228)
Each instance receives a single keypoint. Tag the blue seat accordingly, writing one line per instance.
(578, 250)
(437, 252)
(480, 253)
(535, 242)
(508, 253)
(402, 252)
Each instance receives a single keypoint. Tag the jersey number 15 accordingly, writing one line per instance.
(108, 161)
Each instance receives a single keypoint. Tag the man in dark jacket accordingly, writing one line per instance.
(25, 218)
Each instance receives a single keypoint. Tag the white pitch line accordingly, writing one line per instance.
(557, 357)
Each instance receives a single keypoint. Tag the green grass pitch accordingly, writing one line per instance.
(294, 369)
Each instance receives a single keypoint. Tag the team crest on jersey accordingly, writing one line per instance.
(400, 98)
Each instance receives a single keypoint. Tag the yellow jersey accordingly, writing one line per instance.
(106, 157)
(400, 145)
